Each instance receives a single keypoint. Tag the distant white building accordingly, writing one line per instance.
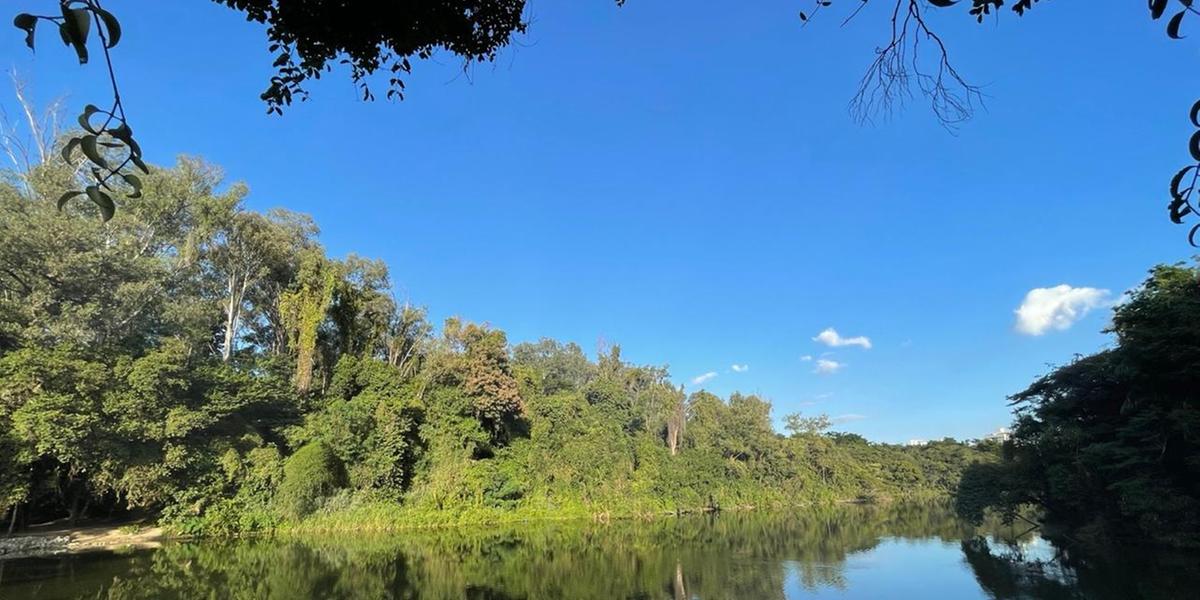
(1000, 435)
(917, 442)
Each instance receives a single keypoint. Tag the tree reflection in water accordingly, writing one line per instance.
(1035, 568)
(743, 555)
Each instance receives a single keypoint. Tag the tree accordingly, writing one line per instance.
(676, 422)
(406, 338)
(50, 401)
(303, 307)
(485, 373)
(237, 253)
(562, 367)
(311, 475)
(362, 307)
(1108, 443)
(798, 425)
(152, 362)
(267, 327)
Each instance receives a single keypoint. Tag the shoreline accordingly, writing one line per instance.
(68, 540)
(50, 541)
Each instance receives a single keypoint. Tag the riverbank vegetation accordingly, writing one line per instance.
(215, 368)
(1108, 445)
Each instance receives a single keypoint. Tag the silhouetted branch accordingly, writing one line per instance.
(1182, 198)
(903, 63)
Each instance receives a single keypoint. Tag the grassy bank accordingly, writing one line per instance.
(378, 516)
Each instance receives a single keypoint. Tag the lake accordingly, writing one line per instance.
(894, 551)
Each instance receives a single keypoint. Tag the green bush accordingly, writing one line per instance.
(310, 475)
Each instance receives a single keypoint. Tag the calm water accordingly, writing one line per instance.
(847, 552)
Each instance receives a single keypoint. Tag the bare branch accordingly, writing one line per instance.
(904, 62)
(32, 142)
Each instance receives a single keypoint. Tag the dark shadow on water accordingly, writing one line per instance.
(1036, 568)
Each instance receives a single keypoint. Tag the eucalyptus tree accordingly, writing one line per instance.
(406, 338)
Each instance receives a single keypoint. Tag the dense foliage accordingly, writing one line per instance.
(213, 366)
(307, 36)
(1109, 445)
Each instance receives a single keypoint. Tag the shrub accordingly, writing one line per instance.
(310, 475)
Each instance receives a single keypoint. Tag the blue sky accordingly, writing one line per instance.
(687, 182)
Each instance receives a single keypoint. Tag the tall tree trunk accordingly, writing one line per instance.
(233, 314)
(675, 425)
(230, 323)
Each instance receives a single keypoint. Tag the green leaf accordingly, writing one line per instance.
(1194, 146)
(63, 199)
(1179, 209)
(69, 148)
(105, 202)
(1157, 7)
(134, 182)
(943, 3)
(1173, 26)
(1195, 115)
(28, 23)
(85, 117)
(25, 21)
(1177, 180)
(122, 132)
(137, 160)
(88, 144)
(77, 23)
(112, 25)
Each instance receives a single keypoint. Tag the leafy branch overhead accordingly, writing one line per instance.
(107, 141)
(1182, 197)
(308, 37)
(368, 36)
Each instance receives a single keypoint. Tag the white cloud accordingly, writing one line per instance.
(806, 358)
(830, 337)
(819, 398)
(701, 379)
(1057, 307)
(740, 368)
(826, 366)
(846, 418)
